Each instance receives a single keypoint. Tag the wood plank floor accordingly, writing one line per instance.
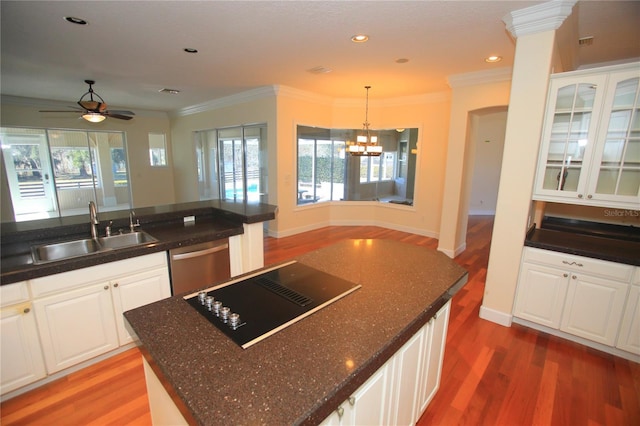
(492, 374)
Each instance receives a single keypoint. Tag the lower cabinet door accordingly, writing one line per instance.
(76, 326)
(406, 378)
(432, 358)
(137, 290)
(594, 308)
(21, 360)
(541, 294)
(629, 337)
(368, 406)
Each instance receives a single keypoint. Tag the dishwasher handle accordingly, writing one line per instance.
(199, 253)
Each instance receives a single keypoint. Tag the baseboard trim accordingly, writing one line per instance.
(453, 253)
(495, 316)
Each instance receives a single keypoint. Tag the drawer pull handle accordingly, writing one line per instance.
(572, 263)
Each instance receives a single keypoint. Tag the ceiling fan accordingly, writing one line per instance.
(94, 109)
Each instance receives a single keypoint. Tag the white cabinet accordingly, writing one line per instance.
(435, 340)
(20, 352)
(406, 380)
(629, 336)
(541, 294)
(79, 313)
(369, 403)
(76, 325)
(590, 150)
(581, 296)
(594, 308)
(399, 392)
(136, 290)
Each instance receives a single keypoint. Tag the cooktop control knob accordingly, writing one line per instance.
(202, 296)
(224, 313)
(208, 301)
(215, 308)
(234, 320)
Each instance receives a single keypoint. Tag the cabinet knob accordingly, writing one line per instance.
(579, 195)
(26, 310)
(574, 277)
(352, 400)
(565, 275)
(106, 287)
(340, 411)
(115, 285)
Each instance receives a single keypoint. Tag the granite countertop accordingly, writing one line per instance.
(599, 242)
(302, 373)
(215, 219)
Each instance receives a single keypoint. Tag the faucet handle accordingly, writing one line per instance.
(132, 226)
(107, 229)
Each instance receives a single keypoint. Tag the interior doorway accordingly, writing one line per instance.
(486, 141)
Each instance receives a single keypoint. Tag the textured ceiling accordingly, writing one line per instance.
(135, 48)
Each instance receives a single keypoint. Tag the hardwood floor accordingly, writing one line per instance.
(492, 374)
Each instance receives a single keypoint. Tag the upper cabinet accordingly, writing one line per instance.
(590, 151)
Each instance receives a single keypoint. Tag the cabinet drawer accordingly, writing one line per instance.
(52, 284)
(636, 276)
(569, 262)
(11, 294)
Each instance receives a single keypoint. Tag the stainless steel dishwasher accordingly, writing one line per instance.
(199, 265)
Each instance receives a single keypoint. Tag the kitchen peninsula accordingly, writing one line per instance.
(303, 373)
(213, 219)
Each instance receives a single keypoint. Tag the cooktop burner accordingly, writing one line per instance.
(255, 307)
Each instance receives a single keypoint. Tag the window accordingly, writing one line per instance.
(327, 173)
(232, 163)
(54, 172)
(157, 150)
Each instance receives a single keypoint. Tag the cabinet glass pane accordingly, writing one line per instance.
(626, 92)
(578, 96)
(552, 180)
(620, 165)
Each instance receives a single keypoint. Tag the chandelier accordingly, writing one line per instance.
(366, 144)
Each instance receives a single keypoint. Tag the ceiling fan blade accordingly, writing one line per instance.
(118, 116)
(46, 110)
(118, 111)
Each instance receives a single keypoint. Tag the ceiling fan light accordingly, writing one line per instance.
(94, 117)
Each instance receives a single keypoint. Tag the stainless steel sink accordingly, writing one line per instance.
(125, 240)
(65, 250)
(86, 246)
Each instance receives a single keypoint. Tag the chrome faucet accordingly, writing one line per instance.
(132, 226)
(93, 220)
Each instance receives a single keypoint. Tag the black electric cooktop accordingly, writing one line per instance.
(257, 306)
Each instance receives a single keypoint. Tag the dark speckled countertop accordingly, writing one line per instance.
(302, 373)
(215, 219)
(614, 243)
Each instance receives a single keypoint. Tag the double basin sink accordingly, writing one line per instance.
(85, 246)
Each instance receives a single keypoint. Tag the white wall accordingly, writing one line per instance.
(467, 97)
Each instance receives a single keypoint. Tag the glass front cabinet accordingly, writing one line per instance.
(590, 151)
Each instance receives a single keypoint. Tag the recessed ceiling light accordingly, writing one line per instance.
(170, 91)
(74, 20)
(359, 38)
(402, 60)
(492, 59)
(190, 50)
(319, 70)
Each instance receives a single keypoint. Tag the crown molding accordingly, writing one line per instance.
(497, 75)
(235, 99)
(543, 17)
(422, 99)
(303, 95)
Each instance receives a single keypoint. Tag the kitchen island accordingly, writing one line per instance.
(301, 374)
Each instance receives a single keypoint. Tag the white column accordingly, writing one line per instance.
(535, 29)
